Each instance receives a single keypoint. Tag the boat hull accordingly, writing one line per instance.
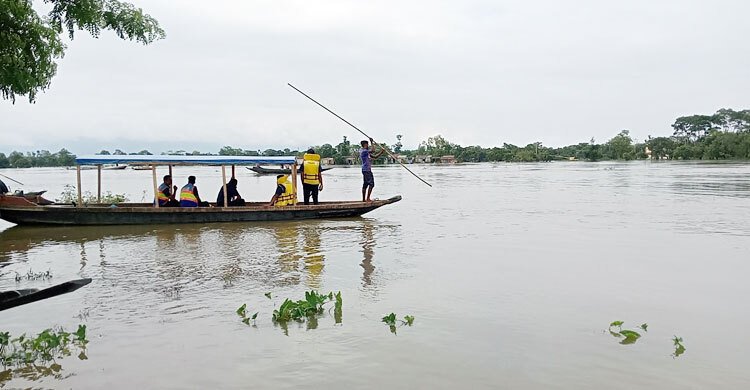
(146, 215)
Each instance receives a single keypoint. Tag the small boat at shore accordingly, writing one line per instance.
(22, 211)
(276, 171)
(111, 167)
(114, 167)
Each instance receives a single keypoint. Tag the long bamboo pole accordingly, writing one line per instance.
(11, 179)
(363, 133)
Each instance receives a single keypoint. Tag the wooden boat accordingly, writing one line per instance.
(114, 167)
(276, 171)
(13, 298)
(22, 211)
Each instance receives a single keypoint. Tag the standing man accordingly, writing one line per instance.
(166, 194)
(367, 155)
(189, 195)
(312, 176)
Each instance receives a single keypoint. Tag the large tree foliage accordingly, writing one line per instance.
(30, 44)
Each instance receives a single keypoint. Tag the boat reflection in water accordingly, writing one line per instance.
(171, 257)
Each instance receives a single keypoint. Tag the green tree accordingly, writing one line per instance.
(730, 120)
(661, 147)
(695, 127)
(30, 44)
(593, 151)
(620, 147)
(104, 153)
(230, 151)
(18, 160)
(326, 150)
(65, 158)
(398, 145)
(437, 146)
(4, 163)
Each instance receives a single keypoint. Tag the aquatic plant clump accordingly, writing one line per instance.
(31, 275)
(48, 345)
(391, 320)
(299, 310)
(70, 195)
(679, 349)
(242, 312)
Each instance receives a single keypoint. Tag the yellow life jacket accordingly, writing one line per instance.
(288, 198)
(311, 169)
(187, 198)
(161, 197)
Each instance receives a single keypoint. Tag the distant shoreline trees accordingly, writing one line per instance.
(724, 135)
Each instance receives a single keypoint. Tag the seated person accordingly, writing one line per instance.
(166, 193)
(189, 195)
(232, 195)
(284, 194)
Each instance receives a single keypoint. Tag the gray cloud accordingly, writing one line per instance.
(478, 72)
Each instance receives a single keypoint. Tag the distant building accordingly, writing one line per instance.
(327, 161)
(422, 159)
(400, 158)
(448, 159)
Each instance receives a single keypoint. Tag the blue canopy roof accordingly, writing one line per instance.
(183, 160)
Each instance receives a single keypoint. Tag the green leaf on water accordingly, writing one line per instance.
(81, 333)
(616, 323)
(390, 319)
(644, 326)
(409, 320)
(337, 313)
(241, 310)
(630, 334)
(268, 295)
(254, 316)
(246, 321)
(630, 337)
(677, 340)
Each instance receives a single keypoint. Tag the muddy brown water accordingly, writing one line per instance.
(513, 272)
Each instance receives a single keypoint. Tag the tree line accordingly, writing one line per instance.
(723, 135)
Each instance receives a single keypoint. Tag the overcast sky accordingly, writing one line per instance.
(477, 72)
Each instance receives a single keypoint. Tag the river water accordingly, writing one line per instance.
(513, 273)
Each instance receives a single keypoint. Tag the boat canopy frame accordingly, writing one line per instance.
(165, 160)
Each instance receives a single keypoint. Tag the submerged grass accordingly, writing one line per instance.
(47, 346)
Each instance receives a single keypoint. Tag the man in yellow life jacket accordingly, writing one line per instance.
(284, 195)
(189, 195)
(166, 193)
(312, 176)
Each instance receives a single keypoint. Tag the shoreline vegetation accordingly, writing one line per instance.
(725, 135)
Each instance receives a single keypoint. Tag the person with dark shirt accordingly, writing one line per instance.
(366, 155)
(166, 193)
(232, 195)
(3, 188)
